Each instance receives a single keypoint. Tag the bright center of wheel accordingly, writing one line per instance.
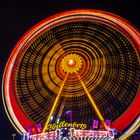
(71, 63)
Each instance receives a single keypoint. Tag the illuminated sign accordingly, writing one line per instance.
(70, 133)
(64, 124)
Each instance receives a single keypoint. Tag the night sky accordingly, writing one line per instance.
(19, 17)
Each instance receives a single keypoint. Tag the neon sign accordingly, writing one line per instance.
(64, 124)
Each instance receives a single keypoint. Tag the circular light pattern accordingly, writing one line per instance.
(101, 47)
(71, 63)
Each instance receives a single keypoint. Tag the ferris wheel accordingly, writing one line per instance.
(86, 61)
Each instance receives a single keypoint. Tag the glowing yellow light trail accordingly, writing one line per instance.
(93, 103)
(55, 103)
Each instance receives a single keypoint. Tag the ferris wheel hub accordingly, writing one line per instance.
(71, 63)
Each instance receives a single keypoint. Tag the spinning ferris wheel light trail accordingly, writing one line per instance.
(84, 60)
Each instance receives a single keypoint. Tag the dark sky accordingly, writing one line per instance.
(18, 17)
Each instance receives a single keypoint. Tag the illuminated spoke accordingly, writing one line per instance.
(92, 102)
(55, 103)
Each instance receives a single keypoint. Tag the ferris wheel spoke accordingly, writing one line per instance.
(55, 103)
(92, 102)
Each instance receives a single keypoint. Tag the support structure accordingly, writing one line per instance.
(92, 102)
(55, 103)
